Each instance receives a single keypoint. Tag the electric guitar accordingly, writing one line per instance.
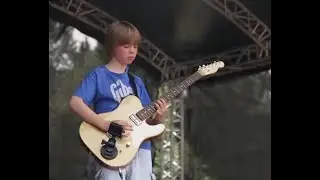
(116, 151)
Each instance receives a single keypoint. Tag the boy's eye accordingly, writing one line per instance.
(129, 46)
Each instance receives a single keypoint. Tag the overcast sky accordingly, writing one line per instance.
(80, 37)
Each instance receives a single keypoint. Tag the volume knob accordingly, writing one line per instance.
(127, 144)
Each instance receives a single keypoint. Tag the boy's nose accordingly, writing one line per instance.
(131, 50)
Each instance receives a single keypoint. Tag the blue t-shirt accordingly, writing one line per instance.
(105, 89)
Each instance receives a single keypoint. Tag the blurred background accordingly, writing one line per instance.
(218, 129)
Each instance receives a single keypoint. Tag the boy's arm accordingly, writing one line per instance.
(83, 97)
(80, 108)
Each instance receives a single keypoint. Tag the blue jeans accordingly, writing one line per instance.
(139, 169)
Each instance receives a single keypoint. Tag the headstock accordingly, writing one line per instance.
(212, 68)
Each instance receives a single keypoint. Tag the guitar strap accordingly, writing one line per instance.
(133, 84)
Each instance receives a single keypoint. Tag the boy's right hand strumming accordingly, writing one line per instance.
(127, 127)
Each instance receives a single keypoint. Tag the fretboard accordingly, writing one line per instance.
(149, 110)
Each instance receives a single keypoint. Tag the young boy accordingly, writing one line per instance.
(105, 86)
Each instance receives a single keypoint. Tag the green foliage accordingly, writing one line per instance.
(66, 153)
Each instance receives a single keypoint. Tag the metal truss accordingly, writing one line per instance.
(98, 19)
(171, 152)
(235, 60)
(237, 13)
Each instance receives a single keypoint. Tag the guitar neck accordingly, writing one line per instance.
(149, 110)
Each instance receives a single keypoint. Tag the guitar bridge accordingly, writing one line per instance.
(135, 120)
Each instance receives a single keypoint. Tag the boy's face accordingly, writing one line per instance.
(125, 53)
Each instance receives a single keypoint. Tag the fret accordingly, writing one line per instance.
(141, 115)
(148, 113)
(185, 84)
(150, 110)
(167, 98)
(153, 107)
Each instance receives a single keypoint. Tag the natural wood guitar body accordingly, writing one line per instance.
(127, 147)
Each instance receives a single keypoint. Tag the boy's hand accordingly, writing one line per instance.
(162, 109)
(127, 127)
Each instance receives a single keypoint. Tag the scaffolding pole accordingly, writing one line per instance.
(170, 154)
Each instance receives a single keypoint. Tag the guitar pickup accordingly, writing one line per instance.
(135, 120)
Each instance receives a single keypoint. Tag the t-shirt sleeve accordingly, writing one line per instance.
(87, 88)
(144, 95)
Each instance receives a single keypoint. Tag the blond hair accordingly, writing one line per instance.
(120, 33)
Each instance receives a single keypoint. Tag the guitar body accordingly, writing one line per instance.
(127, 146)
